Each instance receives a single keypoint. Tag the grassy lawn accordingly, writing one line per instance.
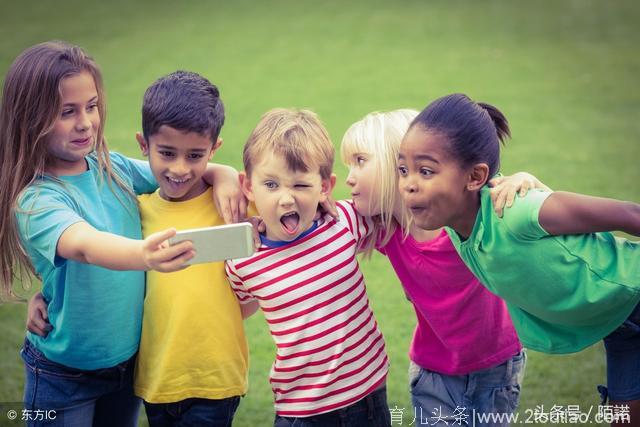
(565, 73)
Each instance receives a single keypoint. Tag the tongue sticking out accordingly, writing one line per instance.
(290, 222)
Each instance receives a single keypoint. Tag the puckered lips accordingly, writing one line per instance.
(417, 210)
(82, 142)
(290, 222)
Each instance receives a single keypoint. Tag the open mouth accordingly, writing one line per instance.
(417, 209)
(290, 222)
(176, 183)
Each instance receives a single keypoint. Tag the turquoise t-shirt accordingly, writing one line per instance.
(96, 313)
(565, 292)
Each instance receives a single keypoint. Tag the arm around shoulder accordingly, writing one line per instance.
(571, 213)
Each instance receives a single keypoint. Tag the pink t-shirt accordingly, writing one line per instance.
(462, 327)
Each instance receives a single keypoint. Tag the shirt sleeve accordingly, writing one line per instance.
(359, 225)
(242, 294)
(522, 218)
(43, 215)
(139, 172)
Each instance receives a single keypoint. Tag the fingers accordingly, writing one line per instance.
(526, 186)
(258, 227)
(242, 209)
(177, 263)
(497, 197)
(496, 181)
(227, 215)
(169, 253)
(329, 207)
(156, 239)
(37, 322)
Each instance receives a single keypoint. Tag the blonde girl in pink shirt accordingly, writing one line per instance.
(466, 359)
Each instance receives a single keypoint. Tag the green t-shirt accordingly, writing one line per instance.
(565, 292)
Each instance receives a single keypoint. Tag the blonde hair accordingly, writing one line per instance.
(297, 135)
(379, 134)
(31, 104)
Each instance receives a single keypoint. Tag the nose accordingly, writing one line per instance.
(407, 184)
(286, 198)
(179, 168)
(83, 123)
(351, 179)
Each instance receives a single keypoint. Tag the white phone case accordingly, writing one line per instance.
(218, 243)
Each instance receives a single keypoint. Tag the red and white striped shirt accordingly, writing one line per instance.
(329, 350)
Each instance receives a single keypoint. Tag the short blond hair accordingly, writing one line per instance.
(297, 135)
(380, 134)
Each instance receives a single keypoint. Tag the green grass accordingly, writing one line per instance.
(564, 72)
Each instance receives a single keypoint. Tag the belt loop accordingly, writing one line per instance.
(370, 406)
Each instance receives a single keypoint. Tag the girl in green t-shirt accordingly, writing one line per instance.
(567, 280)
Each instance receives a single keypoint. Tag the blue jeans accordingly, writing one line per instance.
(72, 397)
(623, 361)
(440, 399)
(371, 411)
(192, 412)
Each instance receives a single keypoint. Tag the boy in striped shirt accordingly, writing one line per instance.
(331, 363)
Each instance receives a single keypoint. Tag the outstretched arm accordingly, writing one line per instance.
(571, 213)
(83, 243)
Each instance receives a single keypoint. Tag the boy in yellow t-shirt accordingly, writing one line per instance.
(192, 363)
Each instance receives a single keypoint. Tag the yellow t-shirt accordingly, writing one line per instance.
(193, 342)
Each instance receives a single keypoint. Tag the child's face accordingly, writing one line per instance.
(286, 200)
(362, 179)
(74, 132)
(178, 160)
(432, 183)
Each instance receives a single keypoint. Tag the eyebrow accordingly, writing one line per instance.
(71, 104)
(171, 147)
(421, 157)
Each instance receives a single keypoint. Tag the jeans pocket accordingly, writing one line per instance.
(35, 360)
(416, 373)
(506, 399)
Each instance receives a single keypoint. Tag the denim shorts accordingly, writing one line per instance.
(372, 411)
(439, 399)
(74, 397)
(623, 361)
(193, 412)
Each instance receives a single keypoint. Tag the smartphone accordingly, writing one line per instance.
(218, 243)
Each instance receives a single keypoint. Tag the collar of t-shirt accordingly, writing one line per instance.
(278, 243)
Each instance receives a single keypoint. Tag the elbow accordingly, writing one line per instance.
(633, 215)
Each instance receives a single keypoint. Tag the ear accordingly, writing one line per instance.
(478, 176)
(144, 145)
(215, 147)
(327, 187)
(245, 185)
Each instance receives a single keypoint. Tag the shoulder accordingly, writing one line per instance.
(42, 193)
(522, 217)
(347, 212)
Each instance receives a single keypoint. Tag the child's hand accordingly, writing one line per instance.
(38, 316)
(228, 196)
(504, 189)
(258, 227)
(160, 256)
(328, 207)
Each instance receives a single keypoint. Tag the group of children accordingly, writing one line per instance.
(545, 274)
